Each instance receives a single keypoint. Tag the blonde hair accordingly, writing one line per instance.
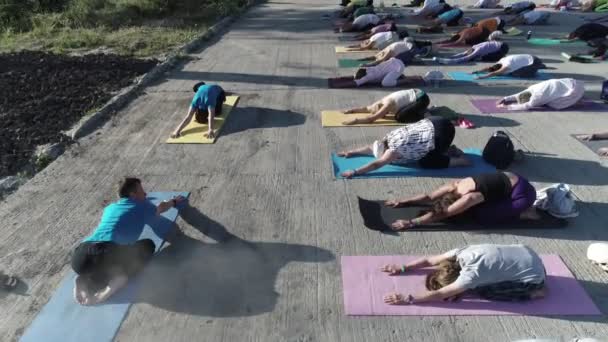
(445, 274)
(524, 97)
(441, 204)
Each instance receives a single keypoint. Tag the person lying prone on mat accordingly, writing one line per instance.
(432, 8)
(405, 50)
(407, 105)
(490, 51)
(493, 198)
(361, 23)
(452, 17)
(476, 34)
(490, 271)
(354, 5)
(557, 94)
(513, 65)
(112, 254)
(487, 4)
(518, 7)
(603, 151)
(587, 32)
(530, 18)
(388, 27)
(205, 106)
(386, 73)
(379, 41)
(427, 142)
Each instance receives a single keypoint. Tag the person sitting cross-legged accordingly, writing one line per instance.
(112, 254)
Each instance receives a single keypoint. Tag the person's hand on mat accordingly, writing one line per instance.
(350, 122)
(395, 203)
(586, 137)
(402, 224)
(392, 269)
(176, 135)
(395, 299)
(210, 134)
(348, 174)
(603, 152)
(344, 154)
(501, 102)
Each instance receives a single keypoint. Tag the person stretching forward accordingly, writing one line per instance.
(557, 94)
(407, 106)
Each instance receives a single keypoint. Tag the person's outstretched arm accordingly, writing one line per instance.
(210, 131)
(185, 121)
(423, 198)
(445, 292)
(594, 136)
(385, 159)
(418, 263)
(494, 73)
(370, 118)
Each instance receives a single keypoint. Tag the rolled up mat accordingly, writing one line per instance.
(488, 106)
(349, 82)
(346, 49)
(334, 118)
(342, 164)
(593, 145)
(379, 217)
(364, 285)
(194, 132)
(352, 63)
(63, 320)
(465, 76)
(550, 42)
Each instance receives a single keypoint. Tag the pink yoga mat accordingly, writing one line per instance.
(488, 106)
(365, 285)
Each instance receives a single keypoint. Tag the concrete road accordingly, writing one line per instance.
(268, 181)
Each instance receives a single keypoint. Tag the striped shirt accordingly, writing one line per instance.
(557, 94)
(412, 142)
(375, 74)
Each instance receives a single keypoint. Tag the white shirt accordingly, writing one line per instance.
(399, 47)
(557, 94)
(515, 62)
(376, 73)
(403, 97)
(532, 16)
(429, 7)
(486, 3)
(412, 142)
(382, 39)
(366, 19)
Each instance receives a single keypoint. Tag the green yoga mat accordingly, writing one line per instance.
(548, 41)
(351, 63)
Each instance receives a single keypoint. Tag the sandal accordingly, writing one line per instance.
(8, 283)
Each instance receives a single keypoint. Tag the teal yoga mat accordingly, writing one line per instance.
(550, 42)
(465, 76)
(351, 63)
(342, 164)
(61, 319)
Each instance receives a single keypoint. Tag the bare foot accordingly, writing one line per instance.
(81, 291)
(530, 214)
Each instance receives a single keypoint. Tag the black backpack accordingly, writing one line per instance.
(499, 150)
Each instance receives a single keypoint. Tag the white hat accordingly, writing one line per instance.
(598, 253)
(495, 35)
(378, 148)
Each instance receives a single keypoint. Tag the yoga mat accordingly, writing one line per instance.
(342, 164)
(349, 82)
(351, 63)
(334, 118)
(488, 106)
(63, 320)
(593, 145)
(465, 76)
(379, 217)
(550, 42)
(345, 49)
(513, 31)
(193, 132)
(364, 285)
(588, 59)
(444, 111)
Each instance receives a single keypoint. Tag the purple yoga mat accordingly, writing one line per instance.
(488, 106)
(365, 285)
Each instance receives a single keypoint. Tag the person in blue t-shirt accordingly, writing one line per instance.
(112, 253)
(206, 105)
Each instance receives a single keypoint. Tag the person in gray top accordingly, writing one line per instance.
(493, 272)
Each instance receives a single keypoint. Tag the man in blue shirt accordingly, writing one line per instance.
(112, 253)
(206, 104)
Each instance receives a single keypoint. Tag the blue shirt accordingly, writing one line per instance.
(206, 96)
(123, 221)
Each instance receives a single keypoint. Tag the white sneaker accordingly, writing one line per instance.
(566, 56)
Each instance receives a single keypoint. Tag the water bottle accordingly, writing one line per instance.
(528, 35)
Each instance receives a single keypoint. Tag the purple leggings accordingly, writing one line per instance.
(523, 196)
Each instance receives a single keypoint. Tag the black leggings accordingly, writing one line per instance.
(444, 136)
(530, 70)
(414, 111)
(101, 261)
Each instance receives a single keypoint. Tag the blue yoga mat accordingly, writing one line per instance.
(465, 76)
(342, 164)
(62, 319)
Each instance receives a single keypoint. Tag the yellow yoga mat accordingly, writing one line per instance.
(334, 118)
(193, 132)
(346, 49)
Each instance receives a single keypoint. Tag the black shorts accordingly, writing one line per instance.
(530, 70)
(444, 136)
(414, 111)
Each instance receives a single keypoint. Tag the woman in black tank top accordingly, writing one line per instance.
(492, 198)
